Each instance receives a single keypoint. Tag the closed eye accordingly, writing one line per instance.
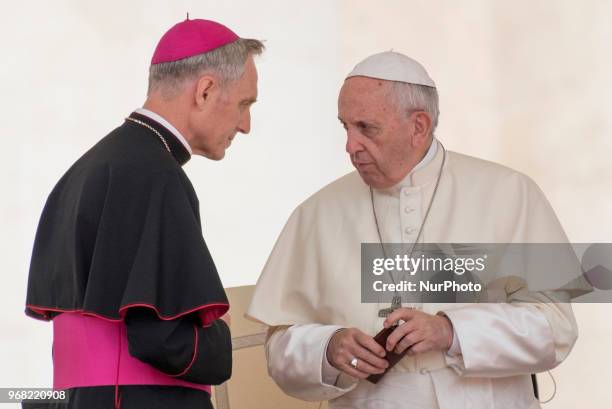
(248, 102)
(367, 128)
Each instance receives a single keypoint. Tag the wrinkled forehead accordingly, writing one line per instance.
(363, 93)
(361, 84)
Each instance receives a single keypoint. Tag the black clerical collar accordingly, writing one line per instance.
(178, 150)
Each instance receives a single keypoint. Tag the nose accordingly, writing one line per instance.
(352, 144)
(244, 126)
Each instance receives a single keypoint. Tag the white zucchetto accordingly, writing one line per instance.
(392, 66)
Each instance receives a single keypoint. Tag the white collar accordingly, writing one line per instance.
(431, 152)
(159, 119)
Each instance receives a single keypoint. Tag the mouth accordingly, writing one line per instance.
(361, 165)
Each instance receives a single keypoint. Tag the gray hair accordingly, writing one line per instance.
(410, 97)
(226, 61)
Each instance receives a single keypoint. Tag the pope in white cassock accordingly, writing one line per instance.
(407, 189)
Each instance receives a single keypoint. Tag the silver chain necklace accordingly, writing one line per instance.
(396, 302)
(155, 131)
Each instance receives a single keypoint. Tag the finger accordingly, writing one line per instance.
(367, 342)
(404, 314)
(399, 333)
(409, 340)
(370, 358)
(364, 366)
(355, 373)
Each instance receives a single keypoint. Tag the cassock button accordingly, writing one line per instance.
(409, 209)
(409, 230)
(406, 192)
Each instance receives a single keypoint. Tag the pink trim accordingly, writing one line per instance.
(195, 354)
(206, 316)
(88, 351)
(117, 394)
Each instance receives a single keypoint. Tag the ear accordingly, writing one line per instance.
(421, 127)
(205, 86)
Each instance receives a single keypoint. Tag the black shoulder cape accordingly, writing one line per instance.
(122, 229)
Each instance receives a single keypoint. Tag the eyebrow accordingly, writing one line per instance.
(364, 121)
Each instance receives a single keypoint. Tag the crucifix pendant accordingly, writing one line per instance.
(396, 303)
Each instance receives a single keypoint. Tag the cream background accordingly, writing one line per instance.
(523, 83)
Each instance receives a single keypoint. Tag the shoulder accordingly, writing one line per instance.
(125, 161)
(484, 173)
(472, 165)
(340, 191)
(332, 203)
(134, 152)
(135, 149)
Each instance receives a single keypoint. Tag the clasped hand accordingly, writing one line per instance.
(420, 332)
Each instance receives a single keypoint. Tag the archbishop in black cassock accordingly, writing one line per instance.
(120, 239)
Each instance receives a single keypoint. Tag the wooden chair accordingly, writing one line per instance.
(250, 386)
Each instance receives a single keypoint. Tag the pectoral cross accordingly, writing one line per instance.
(396, 303)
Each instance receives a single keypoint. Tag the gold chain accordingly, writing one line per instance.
(152, 129)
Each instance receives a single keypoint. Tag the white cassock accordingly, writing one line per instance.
(310, 287)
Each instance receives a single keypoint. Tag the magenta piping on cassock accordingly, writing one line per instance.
(207, 312)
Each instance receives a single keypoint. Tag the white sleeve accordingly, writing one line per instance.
(297, 362)
(455, 348)
(329, 372)
(532, 333)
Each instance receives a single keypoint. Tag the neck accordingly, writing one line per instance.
(173, 113)
(415, 160)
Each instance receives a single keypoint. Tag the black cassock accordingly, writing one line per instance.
(120, 238)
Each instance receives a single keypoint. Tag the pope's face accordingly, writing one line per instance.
(379, 139)
(228, 113)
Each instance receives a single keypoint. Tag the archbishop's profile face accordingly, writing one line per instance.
(377, 136)
(229, 113)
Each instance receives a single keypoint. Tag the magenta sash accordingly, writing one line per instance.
(90, 351)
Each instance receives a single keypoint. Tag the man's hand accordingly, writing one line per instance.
(421, 332)
(349, 343)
